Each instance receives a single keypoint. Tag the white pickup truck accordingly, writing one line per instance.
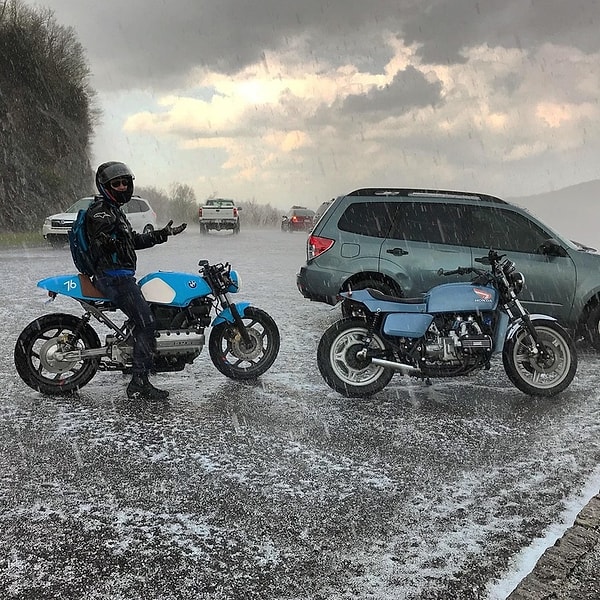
(219, 213)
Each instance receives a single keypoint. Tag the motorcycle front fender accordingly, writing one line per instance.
(515, 326)
(225, 316)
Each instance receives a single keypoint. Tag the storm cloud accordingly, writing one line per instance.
(246, 97)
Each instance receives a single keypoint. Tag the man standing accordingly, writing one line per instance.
(112, 248)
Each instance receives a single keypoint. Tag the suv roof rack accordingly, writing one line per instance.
(426, 193)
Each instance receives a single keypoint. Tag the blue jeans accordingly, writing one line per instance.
(125, 293)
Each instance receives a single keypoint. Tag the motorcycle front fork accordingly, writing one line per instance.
(538, 348)
(237, 319)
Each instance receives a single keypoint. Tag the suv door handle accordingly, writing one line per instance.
(397, 251)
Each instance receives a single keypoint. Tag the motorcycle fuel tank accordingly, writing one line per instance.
(176, 289)
(461, 297)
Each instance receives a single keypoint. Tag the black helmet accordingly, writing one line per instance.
(108, 171)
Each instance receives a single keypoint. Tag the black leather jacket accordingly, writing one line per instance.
(112, 241)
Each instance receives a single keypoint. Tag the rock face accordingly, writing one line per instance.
(569, 569)
(46, 118)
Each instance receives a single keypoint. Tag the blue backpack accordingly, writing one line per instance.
(80, 245)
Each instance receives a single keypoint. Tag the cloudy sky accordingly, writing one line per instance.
(294, 102)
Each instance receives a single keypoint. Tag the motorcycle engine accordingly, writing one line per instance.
(453, 338)
(196, 315)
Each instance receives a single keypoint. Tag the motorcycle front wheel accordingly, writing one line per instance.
(36, 354)
(233, 357)
(342, 369)
(541, 374)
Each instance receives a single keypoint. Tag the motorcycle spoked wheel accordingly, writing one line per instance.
(536, 375)
(35, 354)
(340, 366)
(232, 357)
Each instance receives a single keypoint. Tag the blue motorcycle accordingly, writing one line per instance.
(59, 353)
(454, 330)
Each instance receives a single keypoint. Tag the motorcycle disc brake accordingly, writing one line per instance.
(246, 351)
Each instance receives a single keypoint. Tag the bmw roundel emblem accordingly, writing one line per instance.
(192, 283)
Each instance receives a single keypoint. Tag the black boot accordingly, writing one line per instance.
(140, 388)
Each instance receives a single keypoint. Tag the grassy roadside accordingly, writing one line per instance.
(23, 239)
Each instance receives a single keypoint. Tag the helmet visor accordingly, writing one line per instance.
(111, 171)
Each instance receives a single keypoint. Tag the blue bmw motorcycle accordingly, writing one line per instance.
(454, 330)
(59, 353)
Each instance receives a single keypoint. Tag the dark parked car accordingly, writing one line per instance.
(299, 218)
(395, 240)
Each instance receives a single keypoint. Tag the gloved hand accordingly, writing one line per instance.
(161, 235)
(170, 230)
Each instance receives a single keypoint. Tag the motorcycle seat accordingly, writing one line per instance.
(385, 298)
(88, 289)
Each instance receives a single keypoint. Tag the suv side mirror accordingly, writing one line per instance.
(552, 248)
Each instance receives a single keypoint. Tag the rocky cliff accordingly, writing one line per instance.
(46, 117)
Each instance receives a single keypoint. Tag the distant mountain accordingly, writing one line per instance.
(573, 211)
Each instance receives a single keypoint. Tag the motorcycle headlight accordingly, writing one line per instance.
(508, 266)
(236, 282)
(517, 281)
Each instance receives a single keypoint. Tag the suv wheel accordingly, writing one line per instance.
(592, 329)
(354, 309)
(148, 228)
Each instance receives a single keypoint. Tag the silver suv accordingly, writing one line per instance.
(138, 211)
(396, 240)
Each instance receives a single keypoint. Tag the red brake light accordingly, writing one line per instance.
(294, 218)
(317, 245)
(235, 212)
(200, 212)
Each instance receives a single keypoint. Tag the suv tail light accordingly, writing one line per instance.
(235, 211)
(200, 212)
(316, 245)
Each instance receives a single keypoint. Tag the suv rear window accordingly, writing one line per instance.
(436, 223)
(369, 218)
(135, 205)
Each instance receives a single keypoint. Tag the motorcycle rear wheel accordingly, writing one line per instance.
(35, 354)
(536, 375)
(232, 357)
(340, 366)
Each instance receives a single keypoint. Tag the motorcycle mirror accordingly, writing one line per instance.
(484, 260)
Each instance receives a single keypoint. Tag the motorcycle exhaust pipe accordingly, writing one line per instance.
(407, 369)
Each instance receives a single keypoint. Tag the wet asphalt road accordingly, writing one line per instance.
(281, 488)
